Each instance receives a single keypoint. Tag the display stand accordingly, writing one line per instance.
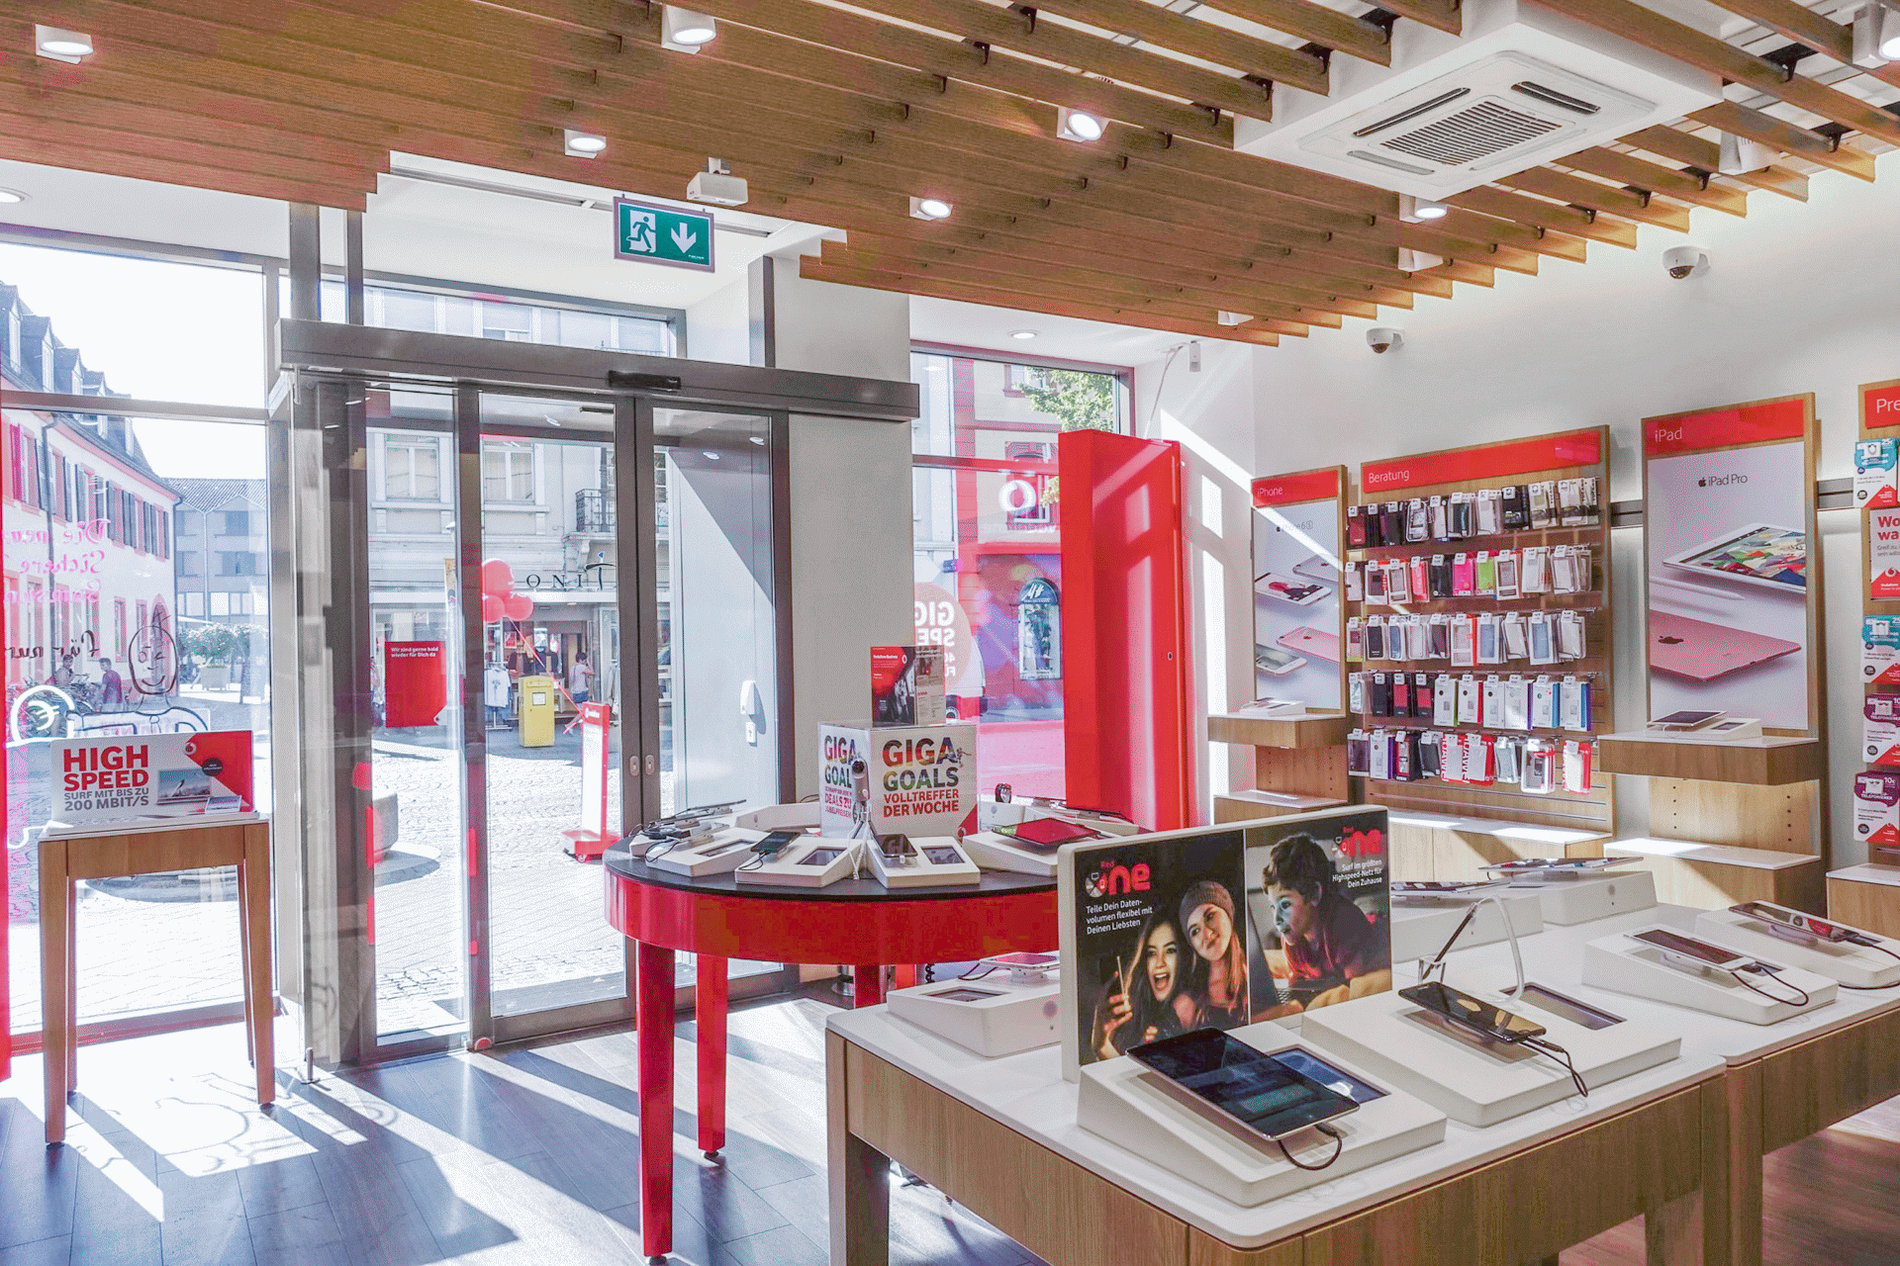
(1125, 1103)
(1299, 762)
(1868, 895)
(1861, 966)
(1622, 964)
(1419, 928)
(1440, 846)
(991, 1015)
(1765, 793)
(1576, 455)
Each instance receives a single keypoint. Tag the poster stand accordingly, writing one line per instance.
(1299, 760)
(1442, 828)
(1730, 820)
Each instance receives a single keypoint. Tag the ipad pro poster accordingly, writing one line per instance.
(1727, 514)
(1296, 588)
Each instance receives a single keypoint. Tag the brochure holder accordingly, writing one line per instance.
(1568, 902)
(800, 866)
(993, 1016)
(923, 870)
(1474, 1081)
(1622, 965)
(1129, 1105)
(1862, 966)
(1420, 927)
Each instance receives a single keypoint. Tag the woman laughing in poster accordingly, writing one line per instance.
(1333, 950)
(1151, 1002)
(1219, 978)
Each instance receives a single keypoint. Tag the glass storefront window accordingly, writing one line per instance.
(988, 584)
(417, 308)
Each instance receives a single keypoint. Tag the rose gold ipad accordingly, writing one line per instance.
(1317, 643)
(1700, 651)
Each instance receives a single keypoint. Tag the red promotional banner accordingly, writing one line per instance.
(1880, 404)
(415, 682)
(1307, 485)
(1762, 423)
(1492, 461)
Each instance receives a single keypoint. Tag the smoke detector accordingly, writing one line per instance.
(1523, 86)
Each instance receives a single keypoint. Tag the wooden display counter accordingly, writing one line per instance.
(1710, 876)
(1763, 762)
(1251, 806)
(1866, 896)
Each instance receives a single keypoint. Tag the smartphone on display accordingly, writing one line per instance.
(1275, 662)
(965, 994)
(1686, 951)
(1408, 887)
(776, 842)
(1481, 1017)
(1573, 864)
(1249, 1086)
(1686, 720)
(1024, 960)
(1761, 554)
(1046, 833)
(1565, 1007)
(1803, 926)
(940, 856)
(821, 857)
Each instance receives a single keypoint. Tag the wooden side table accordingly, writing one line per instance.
(117, 852)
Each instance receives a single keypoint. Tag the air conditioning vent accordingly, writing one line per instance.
(1523, 86)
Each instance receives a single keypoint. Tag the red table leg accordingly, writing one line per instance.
(709, 1011)
(867, 985)
(653, 1027)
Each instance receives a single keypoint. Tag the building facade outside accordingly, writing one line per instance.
(222, 563)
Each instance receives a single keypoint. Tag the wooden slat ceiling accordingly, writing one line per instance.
(838, 115)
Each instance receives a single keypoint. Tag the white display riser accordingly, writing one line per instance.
(1859, 965)
(1568, 902)
(1619, 964)
(780, 817)
(1013, 1017)
(1419, 930)
(1125, 1103)
(710, 858)
(1474, 1081)
(920, 871)
(998, 852)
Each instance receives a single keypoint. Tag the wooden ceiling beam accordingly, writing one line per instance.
(1804, 26)
(1789, 138)
(1674, 39)
(1020, 32)
(1702, 153)
(1627, 169)
(1179, 33)
(1196, 327)
(1329, 28)
(139, 163)
(1442, 15)
(1556, 217)
(1606, 199)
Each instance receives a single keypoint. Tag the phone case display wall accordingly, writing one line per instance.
(1169, 932)
(1478, 641)
(1733, 658)
(1295, 727)
(1870, 893)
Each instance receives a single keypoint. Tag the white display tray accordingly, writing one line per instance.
(1420, 929)
(1568, 902)
(920, 871)
(789, 869)
(1473, 1081)
(1621, 964)
(802, 816)
(998, 852)
(1125, 1103)
(710, 858)
(1857, 965)
(1011, 1017)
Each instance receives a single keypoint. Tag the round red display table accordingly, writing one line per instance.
(853, 921)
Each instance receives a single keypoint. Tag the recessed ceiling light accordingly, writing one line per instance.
(757, 439)
(10, 197)
(684, 30)
(709, 455)
(930, 208)
(1025, 335)
(583, 144)
(1412, 210)
(61, 45)
(1079, 125)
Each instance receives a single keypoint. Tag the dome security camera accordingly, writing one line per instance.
(1383, 338)
(1684, 262)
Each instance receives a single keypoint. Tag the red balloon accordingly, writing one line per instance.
(491, 609)
(497, 577)
(517, 606)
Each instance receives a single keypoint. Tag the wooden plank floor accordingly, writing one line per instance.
(528, 1156)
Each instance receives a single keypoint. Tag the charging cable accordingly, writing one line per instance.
(1764, 970)
(1544, 1046)
(1339, 1146)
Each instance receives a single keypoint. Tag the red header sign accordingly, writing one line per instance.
(1880, 404)
(1767, 422)
(1493, 461)
(1292, 490)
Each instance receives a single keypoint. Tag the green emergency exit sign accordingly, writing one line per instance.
(663, 235)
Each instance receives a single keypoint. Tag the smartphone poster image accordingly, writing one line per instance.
(1729, 514)
(1297, 585)
(1319, 910)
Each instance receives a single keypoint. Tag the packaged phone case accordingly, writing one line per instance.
(1875, 485)
(1422, 688)
(1490, 639)
(1575, 696)
(1359, 753)
(1579, 767)
(1439, 628)
(1464, 576)
(1355, 640)
(1356, 527)
(1398, 582)
(1372, 526)
(1405, 755)
(1375, 583)
(1485, 574)
(1569, 502)
(1541, 496)
(1401, 695)
(1504, 583)
(1564, 570)
(1491, 701)
(1462, 515)
(1464, 641)
(1515, 508)
(1438, 572)
(1356, 692)
(1590, 508)
(1489, 513)
(1543, 632)
(1570, 636)
(1544, 703)
(1375, 637)
(1392, 522)
(1354, 577)
(1381, 754)
(1508, 752)
(1538, 772)
(1417, 521)
(1516, 636)
(1535, 577)
(1379, 695)
(1517, 704)
(1470, 701)
(1439, 512)
(1418, 638)
(1431, 754)
(1420, 567)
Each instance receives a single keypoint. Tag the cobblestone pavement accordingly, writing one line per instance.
(546, 927)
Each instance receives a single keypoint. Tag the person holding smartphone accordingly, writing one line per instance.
(1333, 951)
(1152, 1002)
(1219, 978)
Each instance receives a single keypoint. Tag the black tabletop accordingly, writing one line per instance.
(994, 883)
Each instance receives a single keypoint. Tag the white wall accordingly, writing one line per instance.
(850, 505)
(1799, 298)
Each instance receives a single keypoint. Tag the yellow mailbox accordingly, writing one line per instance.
(535, 700)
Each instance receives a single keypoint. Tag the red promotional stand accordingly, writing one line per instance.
(717, 918)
